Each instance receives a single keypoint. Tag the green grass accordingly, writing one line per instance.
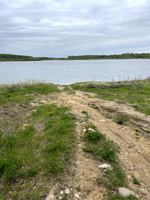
(120, 119)
(36, 153)
(106, 151)
(136, 181)
(25, 93)
(138, 92)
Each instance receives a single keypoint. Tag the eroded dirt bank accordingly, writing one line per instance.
(134, 150)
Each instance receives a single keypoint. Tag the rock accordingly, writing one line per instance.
(125, 192)
(50, 197)
(67, 191)
(61, 192)
(24, 106)
(102, 120)
(69, 112)
(143, 191)
(105, 166)
(90, 129)
(131, 168)
(84, 130)
(77, 196)
(129, 177)
(60, 197)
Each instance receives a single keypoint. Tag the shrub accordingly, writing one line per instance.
(94, 136)
(120, 119)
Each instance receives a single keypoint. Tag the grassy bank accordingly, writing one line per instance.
(36, 142)
(137, 93)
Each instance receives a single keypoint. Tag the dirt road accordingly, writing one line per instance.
(134, 150)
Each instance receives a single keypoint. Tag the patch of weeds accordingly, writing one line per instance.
(137, 130)
(49, 146)
(119, 197)
(32, 172)
(1, 198)
(136, 181)
(10, 169)
(84, 112)
(146, 131)
(28, 131)
(95, 107)
(121, 119)
(90, 125)
(104, 150)
(65, 197)
(135, 106)
(94, 136)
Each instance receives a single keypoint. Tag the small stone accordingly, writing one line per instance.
(105, 166)
(50, 197)
(125, 192)
(60, 197)
(102, 120)
(129, 177)
(61, 192)
(143, 191)
(77, 196)
(67, 191)
(69, 112)
(84, 130)
(131, 168)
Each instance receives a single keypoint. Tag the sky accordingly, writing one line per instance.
(59, 28)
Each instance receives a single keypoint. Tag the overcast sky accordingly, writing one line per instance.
(58, 28)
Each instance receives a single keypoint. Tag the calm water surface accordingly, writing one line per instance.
(67, 72)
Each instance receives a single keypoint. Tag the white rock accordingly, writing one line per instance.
(61, 192)
(102, 120)
(69, 112)
(67, 191)
(105, 166)
(90, 129)
(60, 197)
(77, 196)
(129, 177)
(50, 197)
(125, 192)
(84, 130)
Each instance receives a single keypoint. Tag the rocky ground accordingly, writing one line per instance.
(134, 148)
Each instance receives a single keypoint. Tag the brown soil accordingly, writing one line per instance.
(134, 150)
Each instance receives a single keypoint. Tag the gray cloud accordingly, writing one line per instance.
(63, 27)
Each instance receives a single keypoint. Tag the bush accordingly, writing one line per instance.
(120, 119)
(94, 136)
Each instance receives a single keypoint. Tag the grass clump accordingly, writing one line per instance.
(94, 136)
(146, 131)
(136, 181)
(121, 119)
(119, 197)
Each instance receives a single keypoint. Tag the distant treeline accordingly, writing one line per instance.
(10, 57)
(115, 56)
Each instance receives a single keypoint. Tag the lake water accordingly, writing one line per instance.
(71, 71)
